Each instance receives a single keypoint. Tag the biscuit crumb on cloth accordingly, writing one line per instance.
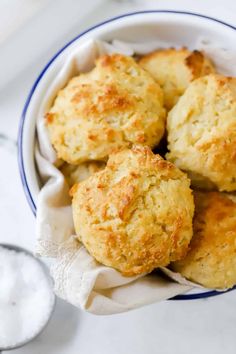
(136, 214)
(211, 260)
(115, 105)
(202, 133)
(175, 69)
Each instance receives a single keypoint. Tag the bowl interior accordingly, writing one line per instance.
(171, 28)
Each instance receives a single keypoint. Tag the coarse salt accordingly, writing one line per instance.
(26, 298)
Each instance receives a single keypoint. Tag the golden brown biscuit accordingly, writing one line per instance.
(211, 260)
(136, 214)
(77, 173)
(115, 105)
(202, 132)
(174, 69)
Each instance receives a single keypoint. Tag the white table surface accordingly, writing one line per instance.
(31, 31)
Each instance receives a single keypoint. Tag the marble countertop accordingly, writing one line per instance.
(199, 326)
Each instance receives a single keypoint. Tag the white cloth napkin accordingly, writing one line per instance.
(79, 279)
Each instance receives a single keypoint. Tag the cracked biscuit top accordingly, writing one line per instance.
(202, 132)
(211, 260)
(175, 69)
(115, 105)
(136, 214)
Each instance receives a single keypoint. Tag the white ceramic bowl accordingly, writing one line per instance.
(177, 28)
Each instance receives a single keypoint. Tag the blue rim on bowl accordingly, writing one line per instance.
(26, 188)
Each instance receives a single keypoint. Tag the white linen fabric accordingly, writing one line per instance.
(78, 278)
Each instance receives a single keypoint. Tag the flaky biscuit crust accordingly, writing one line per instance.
(136, 214)
(77, 173)
(202, 132)
(175, 69)
(115, 105)
(211, 260)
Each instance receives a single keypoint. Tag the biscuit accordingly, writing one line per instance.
(136, 214)
(76, 173)
(174, 69)
(115, 105)
(211, 260)
(201, 131)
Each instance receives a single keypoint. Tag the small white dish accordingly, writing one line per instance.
(174, 27)
(51, 296)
